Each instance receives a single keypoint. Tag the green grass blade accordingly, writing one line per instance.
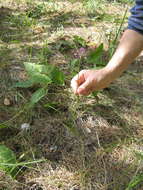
(38, 95)
(135, 181)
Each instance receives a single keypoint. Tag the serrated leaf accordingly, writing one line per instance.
(7, 157)
(38, 95)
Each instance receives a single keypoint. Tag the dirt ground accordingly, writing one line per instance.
(82, 143)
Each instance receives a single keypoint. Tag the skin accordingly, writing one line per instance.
(87, 81)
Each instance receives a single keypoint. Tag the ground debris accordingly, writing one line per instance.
(7, 102)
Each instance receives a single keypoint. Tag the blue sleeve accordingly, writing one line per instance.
(135, 21)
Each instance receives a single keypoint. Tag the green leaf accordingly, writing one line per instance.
(95, 55)
(7, 157)
(74, 66)
(41, 74)
(52, 106)
(44, 72)
(24, 84)
(35, 79)
(79, 41)
(139, 155)
(57, 76)
(95, 93)
(2, 126)
(41, 79)
(33, 68)
(38, 95)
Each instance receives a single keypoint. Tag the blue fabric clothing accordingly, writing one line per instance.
(135, 21)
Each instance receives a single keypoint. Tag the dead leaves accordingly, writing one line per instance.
(38, 30)
(7, 101)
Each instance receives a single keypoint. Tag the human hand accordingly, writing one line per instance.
(87, 81)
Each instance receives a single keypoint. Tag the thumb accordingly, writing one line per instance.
(77, 81)
(84, 89)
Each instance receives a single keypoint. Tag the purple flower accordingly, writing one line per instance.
(79, 52)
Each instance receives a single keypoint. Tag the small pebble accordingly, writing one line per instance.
(88, 130)
(25, 126)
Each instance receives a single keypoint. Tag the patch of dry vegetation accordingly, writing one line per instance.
(85, 143)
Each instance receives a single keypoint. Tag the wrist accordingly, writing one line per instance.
(125, 53)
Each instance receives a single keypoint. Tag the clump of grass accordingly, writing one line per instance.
(92, 6)
(37, 11)
(20, 21)
(125, 1)
(113, 42)
(135, 182)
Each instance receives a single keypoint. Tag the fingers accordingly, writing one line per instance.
(77, 81)
(81, 83)
(74, 84)
(88, 81)
(84, 89)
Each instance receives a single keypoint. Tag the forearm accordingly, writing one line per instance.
(87, 81)
(130, 46)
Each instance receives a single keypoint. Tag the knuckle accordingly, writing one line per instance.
(82, 71)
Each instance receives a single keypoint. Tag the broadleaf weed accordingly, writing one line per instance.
(42, 75)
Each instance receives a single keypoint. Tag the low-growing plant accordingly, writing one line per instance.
(92, 6)
(125, 1)
(20, 21)
(41, 75)
(74, 66)
(64, 45)
(7, 159)
(45, 53)
(136, 180)
(9, 163)
(37, 11)
(79, 41)
(95, 57)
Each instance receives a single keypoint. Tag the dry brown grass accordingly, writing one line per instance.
(88, 143)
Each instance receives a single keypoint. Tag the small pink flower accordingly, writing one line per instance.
(81, 52)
